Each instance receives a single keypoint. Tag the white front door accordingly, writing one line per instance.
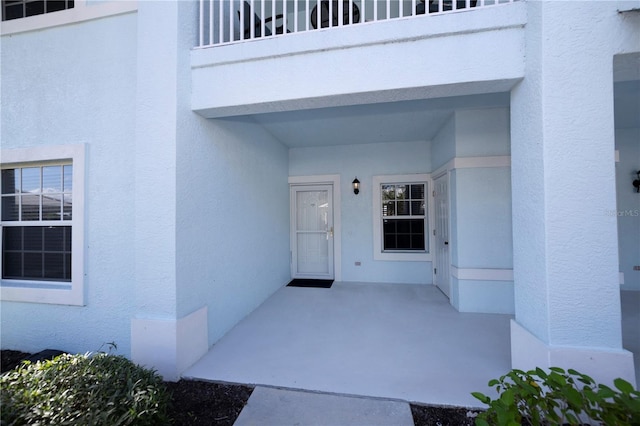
(312, 231)
(442, 265)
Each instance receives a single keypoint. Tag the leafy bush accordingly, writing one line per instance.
(557, 398)
(98, 389)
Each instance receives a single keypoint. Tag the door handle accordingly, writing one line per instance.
(330, 233)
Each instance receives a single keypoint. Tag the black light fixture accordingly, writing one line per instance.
(636, 182)
(356, 186)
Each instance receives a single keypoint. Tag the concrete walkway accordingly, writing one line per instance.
(349, 354)
(391, 341)
(279, 407)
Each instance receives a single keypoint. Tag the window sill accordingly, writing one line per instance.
(402, 256)
(41, 292)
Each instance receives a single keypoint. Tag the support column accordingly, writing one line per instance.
(159, 337)
(567, 295)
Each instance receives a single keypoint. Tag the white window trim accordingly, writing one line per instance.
(82, 10)
(378, 253)
(67, 293)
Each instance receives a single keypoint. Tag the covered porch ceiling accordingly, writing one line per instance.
(401, 121)
(408, 120)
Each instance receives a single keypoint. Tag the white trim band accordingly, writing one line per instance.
(476, 274)
(474, 163)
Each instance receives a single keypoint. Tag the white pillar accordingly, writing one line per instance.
(160, 337)
(563, 178)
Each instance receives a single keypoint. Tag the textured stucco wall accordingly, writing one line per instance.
(480, 200)
(221, 237)
(443, 145)
(365, 161)
(70, 85)
(232, 219)
(565, 247)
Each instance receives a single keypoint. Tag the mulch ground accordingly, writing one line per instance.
(196, 403)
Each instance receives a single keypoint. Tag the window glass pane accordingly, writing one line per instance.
(417, 208)
(13, 11)
(55, 5)
(35, 8)
(417, 192)
(402, 192)
(403, 208)
(403, 226)
(388, 192)
(417, 242)
(30, 207)
(51, 207)
(54, 265)
(11, 238)
(67, 266)
(390, 242)
(389, 208)
(10, 181)
(404, 242)
(52, 179)
(32, 238)
(67, 238)
(68, 178)
(32, 265)
(312, 214)
(11, 265)
(54, 238)
(31, 179)
(10, 208)
(67, 207)
(389, 231)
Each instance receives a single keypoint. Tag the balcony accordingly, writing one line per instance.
(224, 22)
(258, 56)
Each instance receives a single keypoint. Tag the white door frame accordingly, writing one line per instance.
(337, 228)
(445, 286)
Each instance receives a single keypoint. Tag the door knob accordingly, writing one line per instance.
(330, 233)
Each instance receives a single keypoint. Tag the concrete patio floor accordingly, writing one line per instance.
(392, 341)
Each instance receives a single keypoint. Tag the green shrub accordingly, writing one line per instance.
(557, 398)
(98, 389)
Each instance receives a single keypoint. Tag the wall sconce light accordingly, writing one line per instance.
(636, 182)
(356, 186)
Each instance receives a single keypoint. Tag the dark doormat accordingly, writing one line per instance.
(300, 282)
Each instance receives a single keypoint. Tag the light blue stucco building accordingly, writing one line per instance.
(163, 176)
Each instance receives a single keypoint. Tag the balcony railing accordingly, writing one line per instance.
(232, 21)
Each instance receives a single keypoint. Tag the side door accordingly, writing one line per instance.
(442, 264)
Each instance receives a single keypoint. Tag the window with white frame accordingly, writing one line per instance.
(36, 207)
(42, 224)
(16, 9)
(401, 217)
